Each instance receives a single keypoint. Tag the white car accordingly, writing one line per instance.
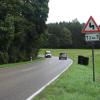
(48, 54)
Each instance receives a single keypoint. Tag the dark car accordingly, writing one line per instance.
(62, 56)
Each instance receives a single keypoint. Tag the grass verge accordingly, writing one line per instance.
(20, 63)
(76, 83)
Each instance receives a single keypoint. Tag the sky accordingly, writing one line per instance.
(67, 10)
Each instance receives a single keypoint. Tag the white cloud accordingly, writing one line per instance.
(67, 10)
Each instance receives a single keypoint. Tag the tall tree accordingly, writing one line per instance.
(58, 36)
(65, 38)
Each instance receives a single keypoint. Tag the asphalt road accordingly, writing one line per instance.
(20, 82)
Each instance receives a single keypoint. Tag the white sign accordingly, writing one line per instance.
(92, 37)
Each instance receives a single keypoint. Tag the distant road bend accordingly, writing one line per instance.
(21, 82)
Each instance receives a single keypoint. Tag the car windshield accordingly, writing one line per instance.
(48, 52)
(62, 54)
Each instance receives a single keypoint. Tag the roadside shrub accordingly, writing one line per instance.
(4, 57)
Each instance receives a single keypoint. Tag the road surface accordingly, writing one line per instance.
(20, 82)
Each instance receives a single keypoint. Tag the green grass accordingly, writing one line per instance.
(20, 63)
(76, 83)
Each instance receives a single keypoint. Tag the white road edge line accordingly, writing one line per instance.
(33, 95)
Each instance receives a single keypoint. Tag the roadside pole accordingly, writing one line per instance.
(93, 61)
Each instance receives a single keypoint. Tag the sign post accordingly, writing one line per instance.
(92, 34)
(93, 61)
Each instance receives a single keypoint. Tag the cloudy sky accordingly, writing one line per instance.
(67, 10)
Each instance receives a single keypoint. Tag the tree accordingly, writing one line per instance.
(22, 23)
(65, 38)
(59, 36)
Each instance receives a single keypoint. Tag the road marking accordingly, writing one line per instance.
(33, 95)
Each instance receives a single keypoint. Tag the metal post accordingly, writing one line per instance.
(31, 59)
(93, 62)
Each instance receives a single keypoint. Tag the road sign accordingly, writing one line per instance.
(92, 37)
(90, 26)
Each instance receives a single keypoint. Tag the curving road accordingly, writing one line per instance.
(20, 82)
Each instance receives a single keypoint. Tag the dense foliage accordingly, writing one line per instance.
(22, 23)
